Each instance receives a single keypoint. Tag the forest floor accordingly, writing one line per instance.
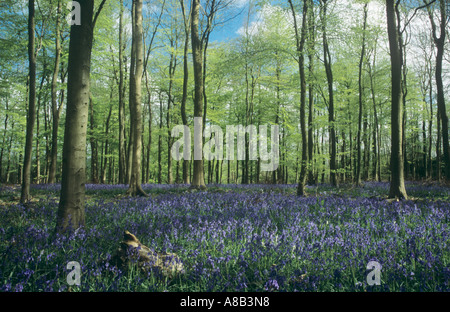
(234, 238)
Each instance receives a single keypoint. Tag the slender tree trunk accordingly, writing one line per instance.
(430, 129)
(376, 173)
(122, 145)
(187, 26)
(172, 67)
(56, 112)
(361, 104)
(311, 44)
(150, 116)
(2, 149)
(31, 113)
(93, 143)
(329, 74)
(397, 186)
(440, 43)
(300, 38)
(105, 156)
(438, 147)
(198, 180)
(136, 71)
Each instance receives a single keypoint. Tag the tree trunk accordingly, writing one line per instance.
(31, 114)
(397, 186)
(71, 214)
(187, 26)
(136, 71)
(122, 146)
(361, 104)
(311, 41)
(440, 43)
(300, 51)
(329, 74)
(93, 143)
(172, 67)
(198, 180)
(56, 111)
(160, 139)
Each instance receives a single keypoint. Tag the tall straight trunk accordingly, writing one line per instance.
(31, 113)
(122, 146)
(136, 71)
(440, 44)
(361, 104)
(160, 139)
(105, 154)
(198, 180)
(172, 67)
(150, 116)
(438, 147)
(430, 129)
(397, 185)
(3, 146)
(71, 214)
(424, 150)
(311, 44)
(93, 143)
(376, 173)
(329, 74)
(56, 111)
(300, 39)
(187, 26)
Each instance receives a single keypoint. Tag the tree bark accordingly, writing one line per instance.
(136, 71)
(56, 111)
(440, 43)
(198, 180)
(122, 146)
(397, 186)
(71, 214)
(187, 26)
(300, 39)
(93, 143)
(361, 104)
(31, 114)
(311, 44)
(329, 74)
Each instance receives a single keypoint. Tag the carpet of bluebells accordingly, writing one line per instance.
(234, 238)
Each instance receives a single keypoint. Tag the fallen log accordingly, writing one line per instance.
(132, 252)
